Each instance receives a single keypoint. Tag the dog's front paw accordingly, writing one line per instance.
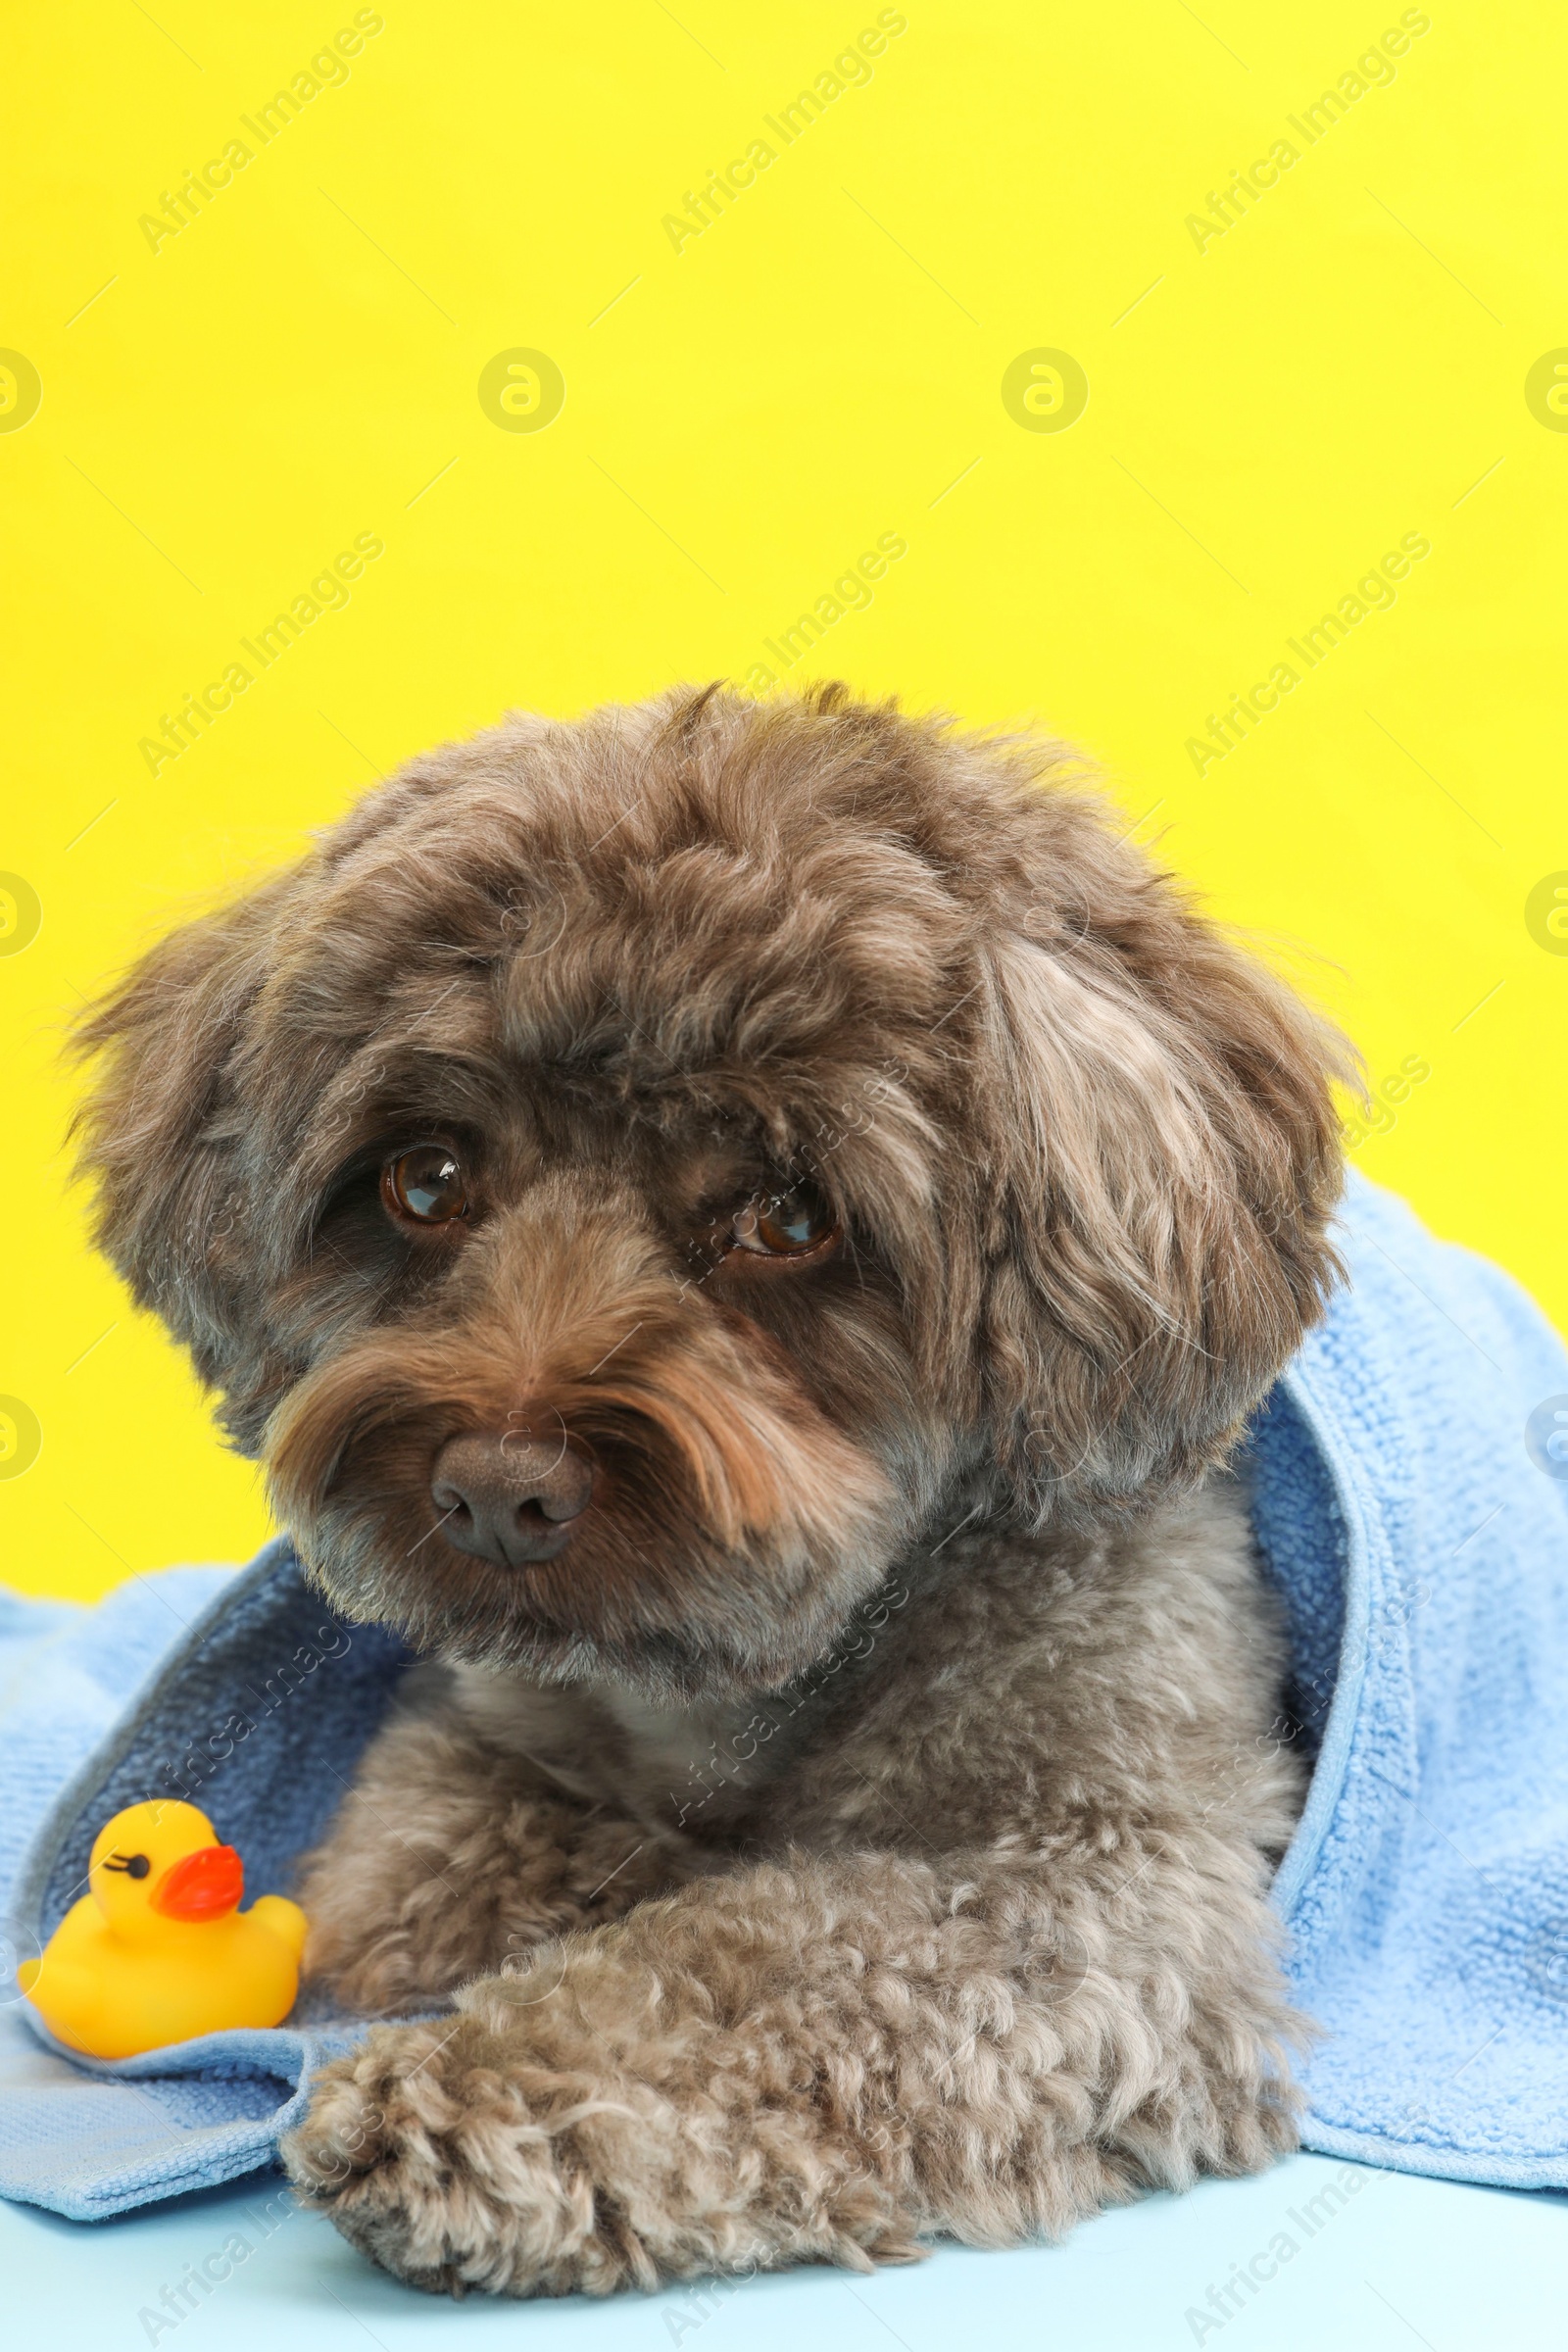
(446, 2162)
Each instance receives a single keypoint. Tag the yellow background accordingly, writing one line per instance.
(743, 416)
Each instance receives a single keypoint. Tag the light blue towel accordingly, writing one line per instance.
(1408, 1501)
(242, 1694)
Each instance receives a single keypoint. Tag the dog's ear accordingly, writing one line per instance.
(1162, 1161)
(157, 1132)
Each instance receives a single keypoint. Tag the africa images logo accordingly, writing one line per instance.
(328, 592)
(1546, 1436)
(1373, 69)
(850, 70)
(327, 70)
(1374, 592)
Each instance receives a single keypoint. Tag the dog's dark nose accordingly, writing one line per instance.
(510, 1499)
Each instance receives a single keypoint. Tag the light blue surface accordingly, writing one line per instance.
(1406, 2262)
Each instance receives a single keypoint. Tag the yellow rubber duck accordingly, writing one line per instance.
(157, 1950)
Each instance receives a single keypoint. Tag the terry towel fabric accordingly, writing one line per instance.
(1408, 1506)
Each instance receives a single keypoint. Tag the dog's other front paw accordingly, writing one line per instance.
(526, 2148)
(454, 2169)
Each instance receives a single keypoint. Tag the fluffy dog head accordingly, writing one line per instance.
(636, 1173)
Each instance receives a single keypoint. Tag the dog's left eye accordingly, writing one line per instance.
(798, 1223)
(425, 1185)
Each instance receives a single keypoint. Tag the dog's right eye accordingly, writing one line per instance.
(795, 1224)
(425, 1185)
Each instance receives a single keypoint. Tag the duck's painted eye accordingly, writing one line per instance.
(425, 1185)
(135, 1865)
(798, 1223)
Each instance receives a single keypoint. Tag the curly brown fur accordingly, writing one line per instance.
(861, 1827)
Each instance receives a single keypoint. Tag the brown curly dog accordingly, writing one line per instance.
(751, 1233)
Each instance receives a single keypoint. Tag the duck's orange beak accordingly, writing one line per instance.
(201, 1885)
